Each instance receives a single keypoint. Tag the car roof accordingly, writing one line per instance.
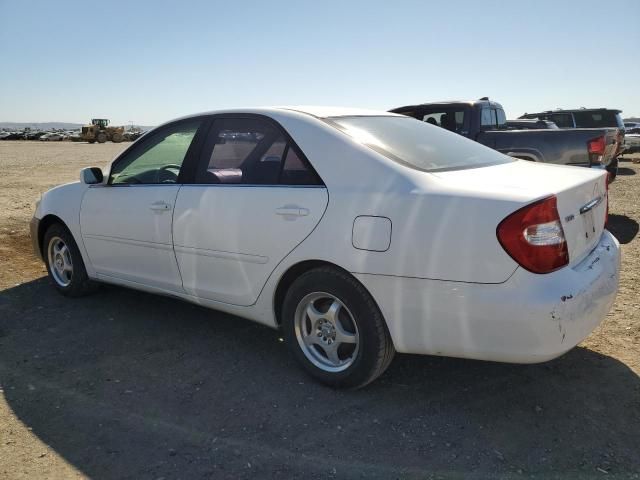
(577, 110)
(485, 101)
(314, 111)
(325, 112)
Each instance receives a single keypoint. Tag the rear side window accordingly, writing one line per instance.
(454, 120)
(598, 119)
(488, 118)
(415, 144)
(252, 152)
(562, 120)
(296, 172)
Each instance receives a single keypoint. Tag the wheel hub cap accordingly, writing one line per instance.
(60, 263)
(326, 332)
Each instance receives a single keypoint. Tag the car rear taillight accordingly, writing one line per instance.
(533, 237)
(596, 147)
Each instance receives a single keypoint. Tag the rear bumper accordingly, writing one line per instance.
(527, 319)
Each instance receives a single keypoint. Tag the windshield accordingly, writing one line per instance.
(417, 144)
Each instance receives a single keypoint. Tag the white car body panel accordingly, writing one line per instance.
(227, 251)
(64, 202)
(127, 233)
(443, 282)
(530, 318)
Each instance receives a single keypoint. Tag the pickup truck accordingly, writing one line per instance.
(485, 122)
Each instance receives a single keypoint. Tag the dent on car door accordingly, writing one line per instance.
(255, 199)
(126, 223)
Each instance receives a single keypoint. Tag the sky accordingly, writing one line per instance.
(146, 62)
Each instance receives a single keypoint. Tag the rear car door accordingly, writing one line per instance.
(255, 198)
(126, 223)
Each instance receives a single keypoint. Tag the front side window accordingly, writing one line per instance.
(158, 158)
(414, 144)
(252, 151)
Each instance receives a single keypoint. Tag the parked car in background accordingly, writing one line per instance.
(530, 125)
(430, 244)
(586, 118)
(12, 136)
(52, 137)
(31, 135)
(631, 143)
(581, 117)
(485, 122)
(632, 127)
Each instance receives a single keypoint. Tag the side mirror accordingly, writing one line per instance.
(91, 175)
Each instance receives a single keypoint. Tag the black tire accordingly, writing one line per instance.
(102, 137)
(79, 282)
(374, 345)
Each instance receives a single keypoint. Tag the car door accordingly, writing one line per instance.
(126, 222)
(255, 198)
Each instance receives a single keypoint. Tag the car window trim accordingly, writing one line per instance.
(203, 161)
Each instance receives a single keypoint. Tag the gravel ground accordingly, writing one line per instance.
(128, 385)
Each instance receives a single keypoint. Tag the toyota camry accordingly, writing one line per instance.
(357, 233)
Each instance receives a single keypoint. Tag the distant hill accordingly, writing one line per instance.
(53, 125)
(632, 119)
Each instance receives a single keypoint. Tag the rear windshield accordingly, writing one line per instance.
(417, 144)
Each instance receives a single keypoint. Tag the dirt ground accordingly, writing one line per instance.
(123, 384)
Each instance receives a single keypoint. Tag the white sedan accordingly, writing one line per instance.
(51, 137)
(358, 233)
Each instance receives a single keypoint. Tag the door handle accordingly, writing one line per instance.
(160, 206)
(292, 211)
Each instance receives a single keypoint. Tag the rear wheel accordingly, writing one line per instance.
(102, 137)
(64, 262)
(335, 330)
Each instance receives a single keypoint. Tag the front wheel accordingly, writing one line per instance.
(64, 262)
(335, 330)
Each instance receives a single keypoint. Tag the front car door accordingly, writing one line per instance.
(255, 198)
(126, 222)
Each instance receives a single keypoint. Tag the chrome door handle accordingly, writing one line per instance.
(159, 206)
(292, 211)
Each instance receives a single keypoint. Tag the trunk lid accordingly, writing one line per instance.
(581, 195)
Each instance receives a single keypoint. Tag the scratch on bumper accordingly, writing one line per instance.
(593, 296)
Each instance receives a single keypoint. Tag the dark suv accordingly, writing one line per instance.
(581, 118)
